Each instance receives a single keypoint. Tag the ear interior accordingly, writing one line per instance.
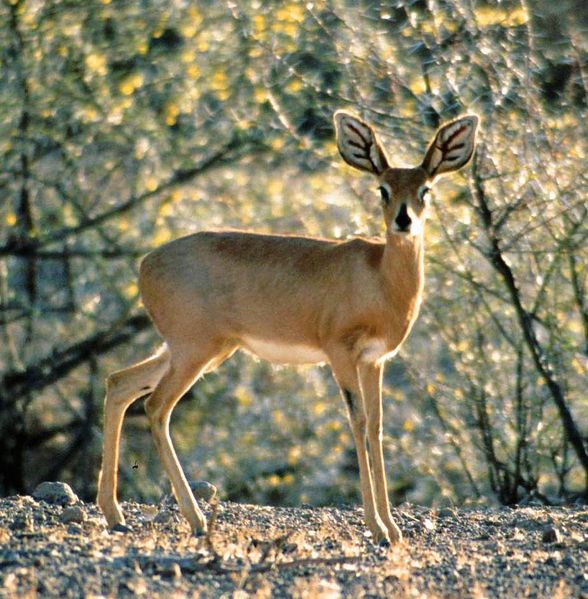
(452, 146)
(358, 144)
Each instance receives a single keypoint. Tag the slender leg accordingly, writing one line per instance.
(122, 389)
(370, 378)
(184, 370)
(346, 375)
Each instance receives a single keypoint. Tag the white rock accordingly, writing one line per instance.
(55, 492)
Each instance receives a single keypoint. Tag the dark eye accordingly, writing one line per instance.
(385, 195)
(423, 192)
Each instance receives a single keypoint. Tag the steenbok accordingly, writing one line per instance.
(289, 300)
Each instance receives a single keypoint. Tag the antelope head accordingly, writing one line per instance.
(405, 192)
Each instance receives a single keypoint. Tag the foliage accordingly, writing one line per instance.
(124, 125)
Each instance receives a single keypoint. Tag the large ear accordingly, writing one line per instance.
(452, 147)
(358, 144)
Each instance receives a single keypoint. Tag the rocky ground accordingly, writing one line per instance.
(57, 546)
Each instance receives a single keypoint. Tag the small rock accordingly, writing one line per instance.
(4, 535)
(122, 528)
(428, 524)
(446, 512)
(289, 548)
(73, 514)
(169, 569)
(568, 561)
(136, 585)
(55, 492)
(22, 522)
(202, 490)
(163, 517)
(551, 534)
(74, 529)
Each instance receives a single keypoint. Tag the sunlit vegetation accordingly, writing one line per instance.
(124, 125)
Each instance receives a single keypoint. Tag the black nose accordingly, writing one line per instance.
(403, 220)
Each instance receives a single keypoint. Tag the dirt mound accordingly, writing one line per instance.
(55, 550)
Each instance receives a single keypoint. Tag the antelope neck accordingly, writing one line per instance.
(403, 267)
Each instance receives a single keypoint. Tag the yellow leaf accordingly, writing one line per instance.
(150, 183)
(260, 94)
(294, 86)
(219, 80)
(223, 94)
(202, 45)
(162, 236)
(131, 290)
(189, 29)
(273, 480)
(130, 83)
(258, 24)
(89, 114)
(294, 455)
(319, 408)
(195, 15)
(417, 86)
(10, 219)
(277, 143)
(408, 426)
(96, 63)
(193, 71)
(188, 55)
(493, 15)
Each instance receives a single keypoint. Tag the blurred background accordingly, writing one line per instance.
(126, 124)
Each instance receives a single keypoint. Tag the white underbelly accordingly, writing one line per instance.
(283, 353)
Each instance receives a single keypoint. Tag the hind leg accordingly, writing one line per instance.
(185, 368)
(122, 389)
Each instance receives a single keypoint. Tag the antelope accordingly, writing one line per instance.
(290, 300)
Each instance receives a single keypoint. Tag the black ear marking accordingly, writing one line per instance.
(358, 143)
(452, 147)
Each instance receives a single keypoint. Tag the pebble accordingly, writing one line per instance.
(56, 493)
(428, 524)
(163, 517)
(22, 522)
(551, 534)
(136, 585)
(446, 512)
(202, 489)
(169, 570)
(122, 528)
(568, 561)
(73, 514)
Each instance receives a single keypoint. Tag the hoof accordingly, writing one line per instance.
(385, 543)
(395, 535)
(198, 534)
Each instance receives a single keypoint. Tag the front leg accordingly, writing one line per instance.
(345, 372)
(370, 379)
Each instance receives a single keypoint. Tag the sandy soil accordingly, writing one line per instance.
(52, 550)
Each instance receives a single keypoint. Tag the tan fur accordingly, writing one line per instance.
(290, 299)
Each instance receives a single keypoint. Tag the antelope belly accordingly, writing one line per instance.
(283, 353)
